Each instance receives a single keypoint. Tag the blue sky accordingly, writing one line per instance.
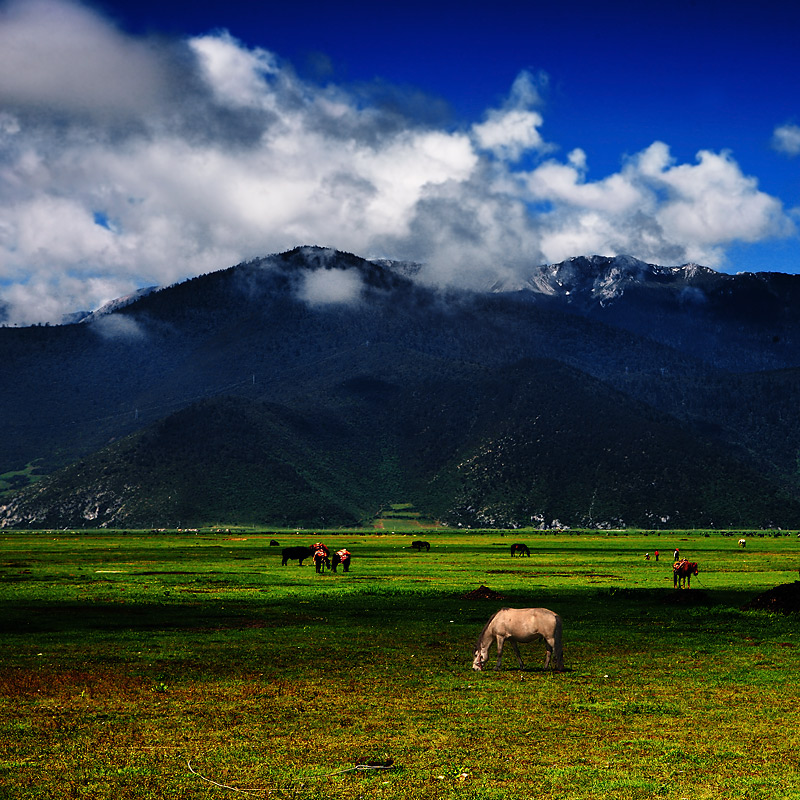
(146, 142)
(697, 74)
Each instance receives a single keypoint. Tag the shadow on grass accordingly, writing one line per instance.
(414, 609)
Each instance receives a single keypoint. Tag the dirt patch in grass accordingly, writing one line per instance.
(784, 599)
(483, 593)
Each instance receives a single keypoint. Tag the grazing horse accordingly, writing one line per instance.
(300, 553)
(274, 543)
(341, 557)
(742, 542)
(520, 548)
(521, 625)
(420, 545)
(682, 572)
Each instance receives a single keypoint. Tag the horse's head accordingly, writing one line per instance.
(479, 659)
(694, 569)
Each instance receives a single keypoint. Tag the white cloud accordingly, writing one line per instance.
(786, 139)
(62, 56)
(566, 184)
(509, 134)
(118, 326)
(653, 208)
(513, 130)
(331, 286)
(712, 202)
(126, 163)
(235, 75)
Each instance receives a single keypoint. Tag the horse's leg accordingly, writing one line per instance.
(548, 652)
(500, 642)
(519, 657)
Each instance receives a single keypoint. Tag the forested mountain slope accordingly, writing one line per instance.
(315, 386)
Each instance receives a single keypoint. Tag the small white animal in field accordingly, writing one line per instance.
(742, 542)
(521, 625)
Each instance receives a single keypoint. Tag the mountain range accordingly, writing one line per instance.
(315, 387)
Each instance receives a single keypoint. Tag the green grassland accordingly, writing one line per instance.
(145, 665)
(11, 482)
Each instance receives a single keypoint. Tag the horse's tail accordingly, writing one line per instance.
(558, 646)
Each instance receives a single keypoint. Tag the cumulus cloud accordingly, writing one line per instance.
(654, 208)
(513, 130)
(126, 162)
(786, 139)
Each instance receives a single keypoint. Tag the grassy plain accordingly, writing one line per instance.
(133, 664)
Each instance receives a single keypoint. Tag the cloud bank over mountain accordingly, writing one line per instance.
(127, 161)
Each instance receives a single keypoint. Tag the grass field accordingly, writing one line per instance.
(140, 665)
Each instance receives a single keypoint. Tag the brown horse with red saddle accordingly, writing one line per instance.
(682, 572)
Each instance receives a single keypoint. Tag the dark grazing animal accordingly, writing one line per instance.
(520, 548)
(341, 557)
(521, 625)
(299, 553)
(420, 545)
(682, 572)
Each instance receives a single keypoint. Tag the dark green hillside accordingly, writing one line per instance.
(551, 445)
(220, 460)
(247, 403)
(244, 331)
(533, 443)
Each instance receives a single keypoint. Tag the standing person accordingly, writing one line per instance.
(656, 555)
(676, 555)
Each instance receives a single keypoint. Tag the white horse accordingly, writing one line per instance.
(521, 625)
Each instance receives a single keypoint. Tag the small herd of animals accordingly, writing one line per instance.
(506, 625)
(321, 555)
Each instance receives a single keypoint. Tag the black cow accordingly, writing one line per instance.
(300, 553)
